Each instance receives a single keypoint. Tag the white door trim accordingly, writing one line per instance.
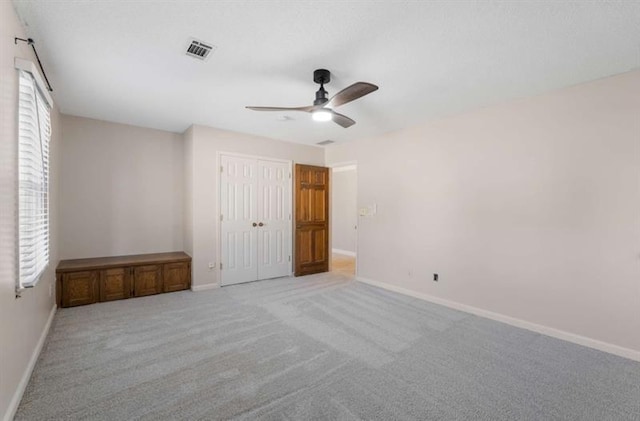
(218, 231)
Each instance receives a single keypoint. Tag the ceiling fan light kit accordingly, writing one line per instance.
(322, 108)
(322, 114)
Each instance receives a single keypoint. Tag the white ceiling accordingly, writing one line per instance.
(124, 61)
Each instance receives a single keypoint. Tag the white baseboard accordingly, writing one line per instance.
(204, 287)
(344, 252)
(545, 330)
(24, 381)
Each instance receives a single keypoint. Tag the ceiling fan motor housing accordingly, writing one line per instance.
(321, 97)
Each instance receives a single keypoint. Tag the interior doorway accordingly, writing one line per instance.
(344, 218)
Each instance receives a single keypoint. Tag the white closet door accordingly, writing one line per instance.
(274, 217)
(238, 207)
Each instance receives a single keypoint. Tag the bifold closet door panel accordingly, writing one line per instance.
(274, 216)
(238, 208)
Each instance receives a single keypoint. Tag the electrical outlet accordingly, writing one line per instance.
(435, 277)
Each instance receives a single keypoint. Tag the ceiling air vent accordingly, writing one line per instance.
(325, 142)
(199, 49)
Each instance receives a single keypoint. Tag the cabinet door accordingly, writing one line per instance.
(115, 284)
(147, 280)
(79, 288)
(177, 276)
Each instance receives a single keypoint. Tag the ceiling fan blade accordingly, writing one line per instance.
(306, 109)
(342, 120)
(351, 93)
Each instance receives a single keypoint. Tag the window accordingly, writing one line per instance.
(34, 133)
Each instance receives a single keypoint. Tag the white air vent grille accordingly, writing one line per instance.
(325, 142)
(199, 49)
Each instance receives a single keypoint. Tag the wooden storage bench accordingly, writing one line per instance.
(87, 281)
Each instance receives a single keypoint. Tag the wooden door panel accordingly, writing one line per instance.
(312, 219)
(79, 288)
(303, 205)
(176, 276)
(303, 246)
(319, 210)
(319, 245)
(311, 256)
(147, 280)
(312, 244)
(320, 176)
(115, 284)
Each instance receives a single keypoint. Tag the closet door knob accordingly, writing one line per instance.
(261, 224)
(254, 224)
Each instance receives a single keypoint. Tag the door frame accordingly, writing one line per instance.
(218, 185)
(343, 164)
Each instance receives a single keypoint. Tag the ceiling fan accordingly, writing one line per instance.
(322, 108)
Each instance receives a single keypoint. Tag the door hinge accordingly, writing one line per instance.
(289, 217)
(221, 168)
(289, 174)
(220, 266)
(289, 258)
(221, 217)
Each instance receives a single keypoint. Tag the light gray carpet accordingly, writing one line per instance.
(318, 347)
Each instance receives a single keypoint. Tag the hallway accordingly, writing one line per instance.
(344, 264)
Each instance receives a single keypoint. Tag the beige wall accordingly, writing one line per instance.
(122, 189)
(187, 225)
(344, 216)
(204, 144)
(530, 209)
(23, 320)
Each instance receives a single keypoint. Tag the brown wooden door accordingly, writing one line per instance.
(312, 219)
(176, 276)
(115, 284)
(147, 280)
(79, 288)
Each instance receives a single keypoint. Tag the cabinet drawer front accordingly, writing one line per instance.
(79, 288)
(147, 280)
(115, 284)
(176, 276)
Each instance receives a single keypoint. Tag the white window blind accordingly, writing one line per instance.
(34, 134)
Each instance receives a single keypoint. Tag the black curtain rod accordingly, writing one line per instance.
(33, 45)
